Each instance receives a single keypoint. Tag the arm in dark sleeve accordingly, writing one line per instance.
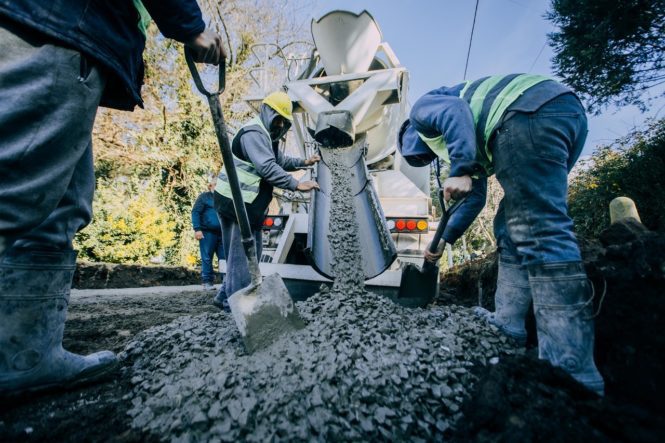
(435, 113)
(289, 163)
(197, 213)
(256, 147)
(467, 212)
(180, 20)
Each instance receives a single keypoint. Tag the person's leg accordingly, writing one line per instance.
(237, 268)
(49, 99)
(533, 154)
(207, 246)
(513, 296)
(219, 251)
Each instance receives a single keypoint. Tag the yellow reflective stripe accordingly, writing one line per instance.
(478, 98)
(437, 145)
(466, 86)
(248, 180)
(506, 97)
(224, 189)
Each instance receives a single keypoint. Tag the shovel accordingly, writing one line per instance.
(419, 286)
(264, 310)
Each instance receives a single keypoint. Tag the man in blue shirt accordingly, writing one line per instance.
(60, 61)
(529, 130)
(208, 231)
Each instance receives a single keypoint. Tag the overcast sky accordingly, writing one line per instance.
(431, 37)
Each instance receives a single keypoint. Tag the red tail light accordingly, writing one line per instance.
(400, 225)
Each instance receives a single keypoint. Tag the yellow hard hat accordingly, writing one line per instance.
(281, 103)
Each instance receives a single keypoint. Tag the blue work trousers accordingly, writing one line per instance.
(237, 268)
(533, 153)
(210, 245)
(49, 96)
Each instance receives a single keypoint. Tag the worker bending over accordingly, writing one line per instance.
(260, 166)
(529, 130)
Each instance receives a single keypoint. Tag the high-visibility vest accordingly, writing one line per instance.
(489, 98)
(248, 177)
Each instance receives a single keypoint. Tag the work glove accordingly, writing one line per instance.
(207, 48)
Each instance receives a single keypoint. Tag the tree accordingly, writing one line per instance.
(168, 150)
(633, 166)
(610, 51)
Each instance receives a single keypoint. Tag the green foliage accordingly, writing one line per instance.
(609, 51)
(633, 167)
(164, 154)
(129, 226)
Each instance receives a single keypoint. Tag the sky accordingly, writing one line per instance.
(431, 38)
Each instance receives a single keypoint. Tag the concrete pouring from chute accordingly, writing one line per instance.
(350, 96)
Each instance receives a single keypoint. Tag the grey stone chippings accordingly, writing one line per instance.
(364, 369)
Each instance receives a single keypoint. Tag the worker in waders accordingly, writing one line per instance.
(529, 130)
(60, 61)
(260, 166)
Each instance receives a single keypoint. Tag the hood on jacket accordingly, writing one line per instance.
(271, 120)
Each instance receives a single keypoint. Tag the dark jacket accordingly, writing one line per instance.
(108, 32)
(442, 111)
(253, 145)
(204, 216)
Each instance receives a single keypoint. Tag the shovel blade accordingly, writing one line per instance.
(418, 287)
(264, 312)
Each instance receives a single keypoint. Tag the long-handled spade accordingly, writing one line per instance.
(419, 286)
(263, 310)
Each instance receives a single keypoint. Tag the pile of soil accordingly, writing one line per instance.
(529, 399)
(108, 275)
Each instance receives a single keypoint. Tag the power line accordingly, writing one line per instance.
(468, 53)
(538, 56)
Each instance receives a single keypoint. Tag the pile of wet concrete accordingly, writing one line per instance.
(363, 369)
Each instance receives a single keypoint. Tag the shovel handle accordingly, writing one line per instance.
(191, 64)
(248, 242)
(434, 245)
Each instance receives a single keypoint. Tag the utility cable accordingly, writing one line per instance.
(468, 52)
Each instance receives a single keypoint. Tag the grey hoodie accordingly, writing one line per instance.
(271, 164)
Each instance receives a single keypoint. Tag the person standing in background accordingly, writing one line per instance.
(208, 231)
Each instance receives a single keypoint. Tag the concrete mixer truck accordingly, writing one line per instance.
(350, 92)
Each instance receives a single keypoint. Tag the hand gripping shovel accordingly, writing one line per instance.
(263, 310)
(419, 286)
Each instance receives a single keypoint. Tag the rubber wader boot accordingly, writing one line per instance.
(511, 300)
(34, 293)
(563, 307)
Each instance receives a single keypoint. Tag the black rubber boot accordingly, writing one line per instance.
(34, 294)
(564, 319)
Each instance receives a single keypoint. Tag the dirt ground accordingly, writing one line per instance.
(523, 399)
(99, 412)
(518, 399)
